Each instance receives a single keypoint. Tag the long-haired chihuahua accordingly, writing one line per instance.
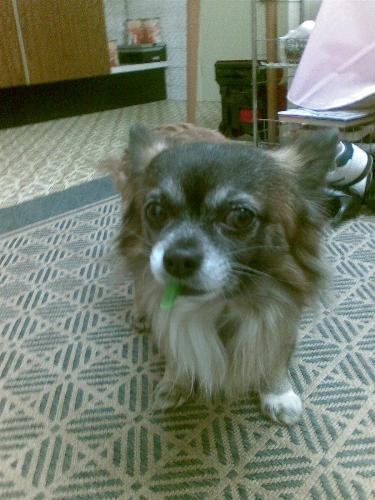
(223, 240)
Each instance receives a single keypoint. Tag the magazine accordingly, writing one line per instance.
(330, 118)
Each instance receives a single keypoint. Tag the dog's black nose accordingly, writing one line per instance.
(182, 262)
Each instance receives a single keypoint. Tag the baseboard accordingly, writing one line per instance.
(37, 103)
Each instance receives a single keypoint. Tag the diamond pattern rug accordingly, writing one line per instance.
(76, 382)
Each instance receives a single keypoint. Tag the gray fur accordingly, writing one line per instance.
(238, 331)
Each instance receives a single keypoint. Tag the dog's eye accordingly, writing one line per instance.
(155, 213)
(239, 218)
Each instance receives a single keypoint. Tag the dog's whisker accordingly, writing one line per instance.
(247, 270)
(252, 277)
(254, 247)
(250, 270)
(129, 233)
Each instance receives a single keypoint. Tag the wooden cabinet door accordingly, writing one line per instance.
(64, 39)
(11, 67)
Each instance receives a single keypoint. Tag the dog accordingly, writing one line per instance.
(238, 228)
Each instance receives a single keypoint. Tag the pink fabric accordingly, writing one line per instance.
(337, 68)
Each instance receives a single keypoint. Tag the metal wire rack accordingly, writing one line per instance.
(270, 20)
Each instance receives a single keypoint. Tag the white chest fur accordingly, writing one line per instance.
(188, 334)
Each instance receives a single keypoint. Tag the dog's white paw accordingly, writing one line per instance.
(169, 396)
(285, 408)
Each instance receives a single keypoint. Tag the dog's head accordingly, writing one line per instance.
(217, 216)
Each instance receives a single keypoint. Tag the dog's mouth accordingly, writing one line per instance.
(191, 292)
(175, 289)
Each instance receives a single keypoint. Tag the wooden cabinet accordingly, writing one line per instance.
(59, 40)
(11, 67)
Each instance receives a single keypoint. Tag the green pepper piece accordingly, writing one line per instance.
(171, 292)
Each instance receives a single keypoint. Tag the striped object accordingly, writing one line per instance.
(77, 378)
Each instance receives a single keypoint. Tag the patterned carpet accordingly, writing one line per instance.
(76, 382)
(43, 158)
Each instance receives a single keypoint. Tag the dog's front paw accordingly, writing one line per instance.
(140, 322)
(285, 408)
(169, 395)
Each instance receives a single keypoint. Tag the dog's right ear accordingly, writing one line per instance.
(143, 147)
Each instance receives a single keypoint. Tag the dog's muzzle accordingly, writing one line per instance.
(194, 262)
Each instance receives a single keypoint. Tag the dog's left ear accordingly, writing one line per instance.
(317, 152)
(143, 147)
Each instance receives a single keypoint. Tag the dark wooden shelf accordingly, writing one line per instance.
(37, 103)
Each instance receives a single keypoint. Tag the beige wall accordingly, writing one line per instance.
(311, 8)
(225, 33)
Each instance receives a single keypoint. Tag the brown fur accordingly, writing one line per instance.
(259, 316)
